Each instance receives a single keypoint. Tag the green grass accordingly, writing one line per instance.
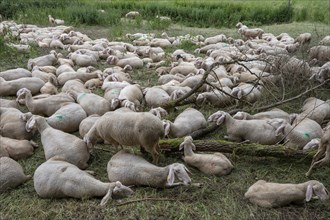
(193, 13)
(217, 198)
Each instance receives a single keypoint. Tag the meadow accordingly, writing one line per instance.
(217, 197)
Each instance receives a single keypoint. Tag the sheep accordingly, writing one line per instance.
(55, 21)
(248, 92)
(214, 164)
(323, 151)
(131, 169)
(265, 132)
(49, 87)
(93, 84)
(159, 112)
(64, 68)
(13, 74)
(36, 72)
(56, 178)
(128, 128)
(160, 42)
(217, 98)
(86, 124)
(67, 118)
(11, 87)
(163, 79)
(17, 149)
(316, 109)
(215, 39)
(251, 33)
(74, 85)
(46, 60)
(82, 75)
(134, 62)
(273, 113)
(58, 143)
(8, 103)
(183, 124)
(321, 53)
(12, 174)
(301, 131)
(83, 59)
(45, 106)
(108, 84)
(325, 41)
(131, 97)
(12, 124)
(156, 97)
(268, 194)
(91, 103)
(132, 14)
(186, 69)
(304, 38)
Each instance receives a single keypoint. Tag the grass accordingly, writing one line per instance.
(217, 198)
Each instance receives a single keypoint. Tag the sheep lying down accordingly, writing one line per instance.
(267, 194)
(131, 169)
(58, 179)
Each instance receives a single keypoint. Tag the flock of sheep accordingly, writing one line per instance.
(66, 105)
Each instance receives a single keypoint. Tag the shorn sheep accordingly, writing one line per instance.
(259, 131)
(12, 174)
(267, 194)
(59, 143)
(131, 169)
(215, 164)
(128, 128)
(59, 179)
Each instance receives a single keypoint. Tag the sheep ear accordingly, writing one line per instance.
(30, 124)
(181, 146)
(167, 127)
(193, 146)
(186, 169)
(170, 177)
(221, 119)
(106, 198)
(239, 94)
(309, 193)
(280, 130)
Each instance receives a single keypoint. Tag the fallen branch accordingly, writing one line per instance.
(172, 145)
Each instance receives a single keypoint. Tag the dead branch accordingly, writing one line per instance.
(280, 151)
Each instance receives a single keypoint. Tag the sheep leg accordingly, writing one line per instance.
(319, 154)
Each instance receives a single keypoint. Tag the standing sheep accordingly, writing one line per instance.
(59, 179)
(128, 128)
(215, 164)
(134, 170)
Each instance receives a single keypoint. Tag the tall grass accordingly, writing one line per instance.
(207, 13)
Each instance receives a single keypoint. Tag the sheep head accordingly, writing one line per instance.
(240, 116)
(317, 188)
(22, 93)
(218, 117)
(187, 142)
(179, 171)
(159, 112)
